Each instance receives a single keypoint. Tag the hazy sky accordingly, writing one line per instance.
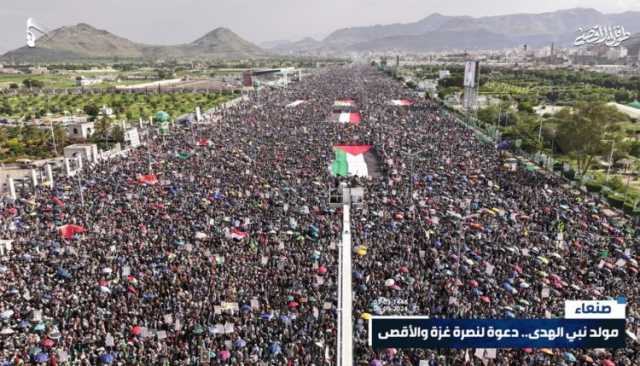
(181, 21)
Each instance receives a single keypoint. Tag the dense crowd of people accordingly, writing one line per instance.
(216, 244)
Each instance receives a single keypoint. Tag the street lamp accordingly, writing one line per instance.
(412, 156)
(610, 159)
(53, 137)
(79, 181)
(540, 131)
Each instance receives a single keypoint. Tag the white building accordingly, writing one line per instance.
(106, 111)
(82, 81)
(429, 86)
(80, 131)
(87, 152)
(615, 53)
(443, 74)
(132, 137)
(38, 70)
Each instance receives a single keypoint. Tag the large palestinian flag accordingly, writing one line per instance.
(348, 117)
(351, 160)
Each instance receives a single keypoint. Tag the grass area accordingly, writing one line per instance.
(50, 81)
(126, 106)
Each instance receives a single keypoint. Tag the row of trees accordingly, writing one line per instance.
(31, 142)
(584, 136)
(38, 143)
(583, 132)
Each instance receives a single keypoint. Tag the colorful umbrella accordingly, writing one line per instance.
(361, 250)
(107, 359)
(224, 355)
(568, 356)
(41, 357)
(240, 343)
(136, 330)
(47, 343)
(275, 348)
(389, 282)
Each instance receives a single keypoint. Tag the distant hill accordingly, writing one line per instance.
(84, 42)
(441, 32)
(438, 41)
(302, 46)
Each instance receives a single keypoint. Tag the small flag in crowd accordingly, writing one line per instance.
(204, 142)
(68, 231)
(183, 155)
(236, 234)
(148, 179)
(57, 201)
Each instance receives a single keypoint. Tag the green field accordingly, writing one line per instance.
(50, 81)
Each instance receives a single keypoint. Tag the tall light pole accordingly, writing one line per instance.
(79, 181)
(53, 137)
(540, 131)
(412, 157)
(345, 289)
(610, 160)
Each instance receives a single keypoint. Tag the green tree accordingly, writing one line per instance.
(117, 134)
(101, 132)
(582, 132)
(32, 83)
(622, 96)
(5, 108)
(92, 110)
(61, 137)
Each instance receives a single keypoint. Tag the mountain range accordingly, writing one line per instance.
(435, 32)
(84, 42)
(439, 32)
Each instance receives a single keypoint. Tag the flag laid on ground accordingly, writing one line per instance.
(295, 104)
(148, 179)
(347, 117)
(344, 103)
(401, 102)
(204, 142)
(235, 234)
(68, 231)
(183, 155)
(57, 201)
(350, 160)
